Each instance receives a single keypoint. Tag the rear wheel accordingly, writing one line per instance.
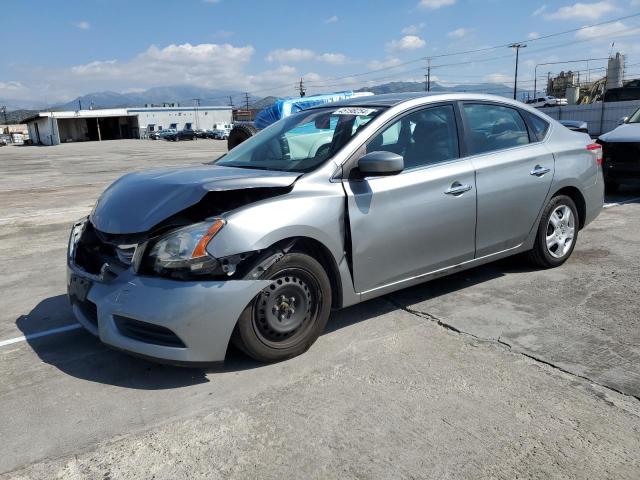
(557, 233)
(287, 317)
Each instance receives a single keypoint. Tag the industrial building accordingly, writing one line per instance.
(52, 128)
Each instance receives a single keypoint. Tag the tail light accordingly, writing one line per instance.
(596, 149)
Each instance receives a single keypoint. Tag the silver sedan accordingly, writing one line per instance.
(329, 207)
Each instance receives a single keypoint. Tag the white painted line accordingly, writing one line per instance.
(615, 204)
(45, 333)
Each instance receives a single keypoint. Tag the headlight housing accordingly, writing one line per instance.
(76, 233)
(184, 250)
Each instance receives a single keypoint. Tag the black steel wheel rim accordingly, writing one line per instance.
(284, 312)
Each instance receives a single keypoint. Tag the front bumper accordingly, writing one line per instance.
(202, 314)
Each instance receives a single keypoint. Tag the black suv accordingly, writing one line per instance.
(181, 135)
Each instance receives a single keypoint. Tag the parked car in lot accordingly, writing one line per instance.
(621, 150)
(576, 125)
(159, 134)
(548, 101)
(5, 140)
(221, 131)
(199, 133)
(329, 207)
(176, 136)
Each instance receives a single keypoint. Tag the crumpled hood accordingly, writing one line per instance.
(138, 201)
(628, 132)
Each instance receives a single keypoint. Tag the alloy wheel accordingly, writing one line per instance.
(560, 231)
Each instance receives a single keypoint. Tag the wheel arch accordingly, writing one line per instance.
(318, 251)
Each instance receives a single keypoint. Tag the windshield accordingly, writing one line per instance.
(301, 142)
(635, 118)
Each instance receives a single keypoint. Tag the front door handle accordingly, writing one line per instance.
(457, 189)
(539, 171)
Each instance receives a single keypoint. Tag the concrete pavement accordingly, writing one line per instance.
(499, 372)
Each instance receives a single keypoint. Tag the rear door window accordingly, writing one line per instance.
(494, 127)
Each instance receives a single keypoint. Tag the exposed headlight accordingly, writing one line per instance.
(185, 249)
(76, 232)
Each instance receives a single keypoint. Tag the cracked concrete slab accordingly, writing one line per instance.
(583, 317)
(385, 393)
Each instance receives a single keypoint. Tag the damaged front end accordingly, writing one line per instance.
(158, 291)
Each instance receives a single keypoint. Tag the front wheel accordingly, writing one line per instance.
(287, 317)
(557, 233)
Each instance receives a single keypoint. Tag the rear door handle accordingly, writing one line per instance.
(457, 189)
(539, 171)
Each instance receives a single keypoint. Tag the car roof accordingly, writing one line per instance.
(393, 99)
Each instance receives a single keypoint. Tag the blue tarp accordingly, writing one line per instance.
(284, 108)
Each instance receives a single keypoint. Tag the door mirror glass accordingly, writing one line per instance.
(381, 163)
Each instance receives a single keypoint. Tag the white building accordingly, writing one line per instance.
(52, 128)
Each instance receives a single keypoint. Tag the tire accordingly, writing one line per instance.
(561, 232)
(239, 134)
(610, 186)
(268, 329)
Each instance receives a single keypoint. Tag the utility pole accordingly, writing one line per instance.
(4, 112)
(517, 46)
(246, 103)
(196, 104)
(231, 102)
(301, 88)
(427, 86)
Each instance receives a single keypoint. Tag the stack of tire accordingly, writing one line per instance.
(239, 133)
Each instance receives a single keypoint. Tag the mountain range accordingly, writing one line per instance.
(187, 95)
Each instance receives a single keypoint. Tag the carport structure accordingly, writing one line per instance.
(52, 128)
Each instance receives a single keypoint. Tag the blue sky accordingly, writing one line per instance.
(66, 48)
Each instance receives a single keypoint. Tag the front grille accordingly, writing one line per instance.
(125, 253)
(89, 310)
(147, 332)
(95, 249)
(621, 152)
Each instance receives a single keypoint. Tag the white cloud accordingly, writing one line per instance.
(386, 63)
(533, 35)
(413, 29)
(82, 25)
(459, 33)
(408, 42)
(206, 64)
(332, 58)
(10, 86)
(290, 55)
(435, 4)
(616, 29)
(331, 19)
(540, 10)
(293, 55)
(582, 11)
(223, 34)
(498, 78)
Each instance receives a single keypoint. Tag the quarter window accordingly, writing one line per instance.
(425, 137)
(538, 125)
(494, 127)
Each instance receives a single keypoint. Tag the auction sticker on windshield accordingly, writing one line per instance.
(354, 111)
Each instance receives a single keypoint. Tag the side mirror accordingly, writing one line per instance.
(623, 120)
(381, 163)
